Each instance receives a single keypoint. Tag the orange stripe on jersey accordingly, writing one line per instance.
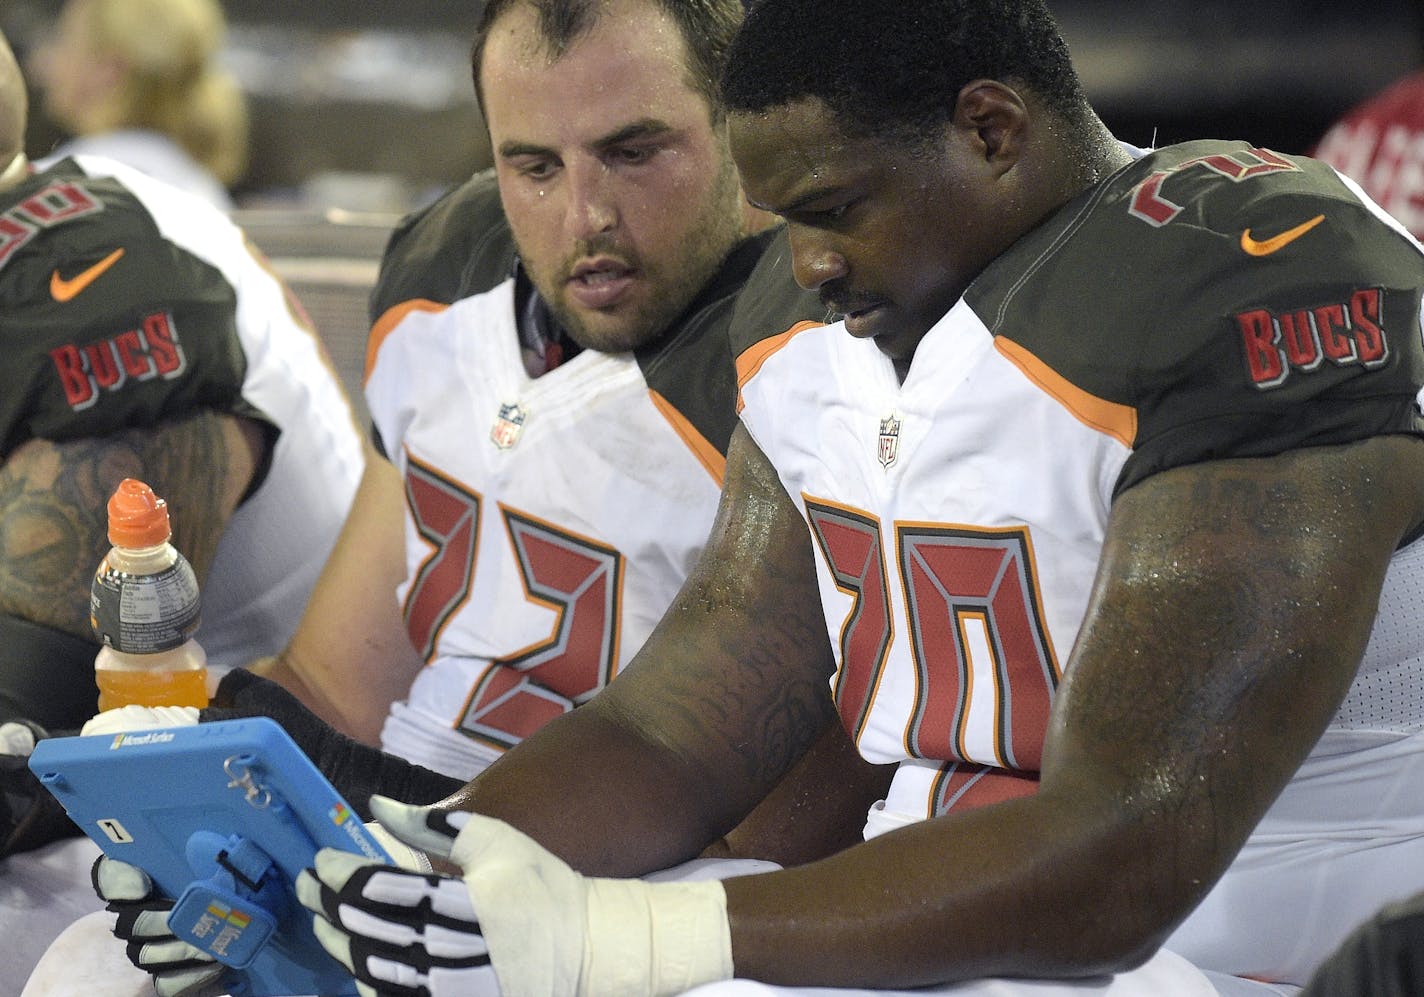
(393, 317)
(710, 457)
(1117, 421)
(751, 359)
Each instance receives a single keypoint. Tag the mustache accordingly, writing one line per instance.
(607, 247)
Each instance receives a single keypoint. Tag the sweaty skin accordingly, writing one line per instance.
(1221, 633)
(1156, 765)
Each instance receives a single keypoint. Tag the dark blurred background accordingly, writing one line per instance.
(369, 105)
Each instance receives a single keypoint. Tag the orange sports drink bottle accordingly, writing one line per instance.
(144, 608)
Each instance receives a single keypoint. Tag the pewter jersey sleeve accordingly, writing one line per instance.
(1210, 301)
(126, 302)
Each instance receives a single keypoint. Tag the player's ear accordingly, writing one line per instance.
(996, 118)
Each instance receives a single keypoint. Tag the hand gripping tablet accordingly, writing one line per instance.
(222, 816)
(234, 911)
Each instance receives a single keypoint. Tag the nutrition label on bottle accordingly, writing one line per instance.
(144, 614)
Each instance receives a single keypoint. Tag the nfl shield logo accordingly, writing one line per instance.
(889, 440)
(508, 426)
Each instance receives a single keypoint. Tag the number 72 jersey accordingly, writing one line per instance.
(549, 520)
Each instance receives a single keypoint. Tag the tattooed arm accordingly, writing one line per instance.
(1232, 603)
(722, 700)
(1223, 629)
(53, 499)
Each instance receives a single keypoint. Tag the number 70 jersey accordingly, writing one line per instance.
(1209, 301)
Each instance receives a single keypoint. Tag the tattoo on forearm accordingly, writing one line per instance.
(53, 509)
(43, 547)
(764, 713)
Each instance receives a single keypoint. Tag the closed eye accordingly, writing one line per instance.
(820, 217)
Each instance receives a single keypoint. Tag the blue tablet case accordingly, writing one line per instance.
(222, 816)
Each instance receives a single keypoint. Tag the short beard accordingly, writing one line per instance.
(700, 255)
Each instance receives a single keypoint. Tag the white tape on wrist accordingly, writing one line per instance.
(654, 939)
(551, 930)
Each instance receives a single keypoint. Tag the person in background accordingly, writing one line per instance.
(1107, 492)
(143, 338)
(550, 381)
(139, 81)
(1380, 144)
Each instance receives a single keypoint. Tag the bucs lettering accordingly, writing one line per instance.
(1343, 332)
(61, 201)
(143, 353)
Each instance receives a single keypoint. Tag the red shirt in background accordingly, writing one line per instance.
(1380, 145)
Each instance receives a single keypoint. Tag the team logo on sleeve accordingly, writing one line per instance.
(508, 425)
(889, 447)
(1340, 332)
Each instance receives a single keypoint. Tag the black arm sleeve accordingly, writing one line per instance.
(1384, 957)
(355, 769)
(46, 676)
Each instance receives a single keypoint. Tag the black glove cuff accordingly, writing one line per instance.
(30, 816)
(356, 770)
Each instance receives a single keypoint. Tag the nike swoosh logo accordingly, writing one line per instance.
(63, 290)
(1265, 247)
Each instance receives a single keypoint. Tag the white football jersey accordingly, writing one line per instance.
(958, 517)
(549, 523)
(550, 520)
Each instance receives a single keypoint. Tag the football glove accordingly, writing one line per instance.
(30, 816)
(178, 969)
(521, 923)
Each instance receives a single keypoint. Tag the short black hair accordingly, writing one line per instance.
(894, 68)
(707, 28)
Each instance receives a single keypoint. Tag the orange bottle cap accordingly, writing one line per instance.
(137, 517)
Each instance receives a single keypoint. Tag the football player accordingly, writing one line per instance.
(550, 379)
(143, 337)
(1106, 487)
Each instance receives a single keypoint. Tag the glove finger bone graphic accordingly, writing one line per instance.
(401, 932)
(429, 829)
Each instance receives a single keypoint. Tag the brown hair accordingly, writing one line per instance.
(707, 28)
